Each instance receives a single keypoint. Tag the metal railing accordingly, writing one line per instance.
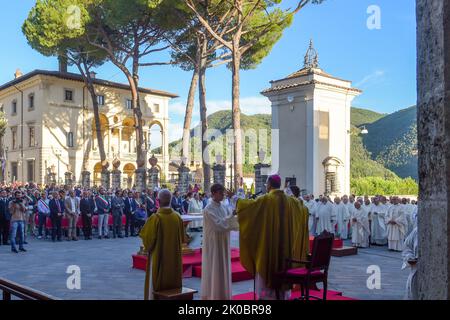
(10, 289)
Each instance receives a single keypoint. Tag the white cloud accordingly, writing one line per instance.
(372, 78)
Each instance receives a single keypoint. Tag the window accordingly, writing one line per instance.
(70, 139)
(68, 95)
(14, 107)
(30, 170)
(31, 136)
(101, 100)
(14, 171)
(156, 108)
(14, 137)
(129, 104)
(31, 101)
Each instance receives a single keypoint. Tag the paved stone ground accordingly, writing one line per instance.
(106, 271)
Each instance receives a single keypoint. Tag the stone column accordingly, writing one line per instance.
(116, 176)
(68, 178)
(260, 179)
(86, 179)
(153, 174)
(105, 178)
(433, 131)
(140, 179)
(183, 178)
(219, 174)
(119, 141)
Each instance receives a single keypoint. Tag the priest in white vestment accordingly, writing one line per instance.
(360, 226)
(342, 218)
(325, 218)
(312, 206)
(409, 211)
(410, 256)
(216, 253)
(378, 226)
(396, 225)
(349, 202)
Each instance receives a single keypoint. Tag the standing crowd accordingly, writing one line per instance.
(366, 221)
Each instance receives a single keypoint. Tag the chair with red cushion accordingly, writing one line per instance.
(110, 220)
(315, 270)
(80, 222)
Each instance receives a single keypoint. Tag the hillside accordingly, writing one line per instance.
(361, 117)
(392, 141)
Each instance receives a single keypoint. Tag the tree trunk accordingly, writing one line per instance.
(98, 129)
(85, 72)
(236, 115)
(188, 115)
(204, 120)
(140, 149)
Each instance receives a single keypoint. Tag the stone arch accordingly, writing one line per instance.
(104, 127)
(128, 174)
(97, 178)
(155, 137)
(128, 135)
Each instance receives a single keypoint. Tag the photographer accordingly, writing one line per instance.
(17, 210)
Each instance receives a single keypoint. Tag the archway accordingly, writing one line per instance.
(129, 175)
(154, 139)
(128, 136)
(98, 174)
(104, 127)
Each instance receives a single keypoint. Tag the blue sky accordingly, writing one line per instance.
(381, 62)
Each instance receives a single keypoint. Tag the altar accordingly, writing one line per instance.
(187, 219)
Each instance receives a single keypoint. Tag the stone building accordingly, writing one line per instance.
(51, 128)
(311, 128)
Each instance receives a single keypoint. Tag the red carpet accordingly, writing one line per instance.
(331, 295)
(190, 261)
(238, 273)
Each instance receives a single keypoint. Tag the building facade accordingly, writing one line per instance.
(311, 128)
(51, 129)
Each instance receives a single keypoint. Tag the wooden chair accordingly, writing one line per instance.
(315, 270)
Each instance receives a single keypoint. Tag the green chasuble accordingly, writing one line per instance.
(301, 234)
(162, 237)
(269, 228)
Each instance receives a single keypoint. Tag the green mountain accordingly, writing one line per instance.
(392, 141)
(389, 149)
(360, 117)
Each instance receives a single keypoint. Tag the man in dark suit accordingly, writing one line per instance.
(130, 209)
(56, 214)
(176, 202)
(5, 218)
(149, 203)
(87, 207)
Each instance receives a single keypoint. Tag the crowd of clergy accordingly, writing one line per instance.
(366, 221)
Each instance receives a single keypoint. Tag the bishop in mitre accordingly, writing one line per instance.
(218, 221)
(268, 229)
(162, 236)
